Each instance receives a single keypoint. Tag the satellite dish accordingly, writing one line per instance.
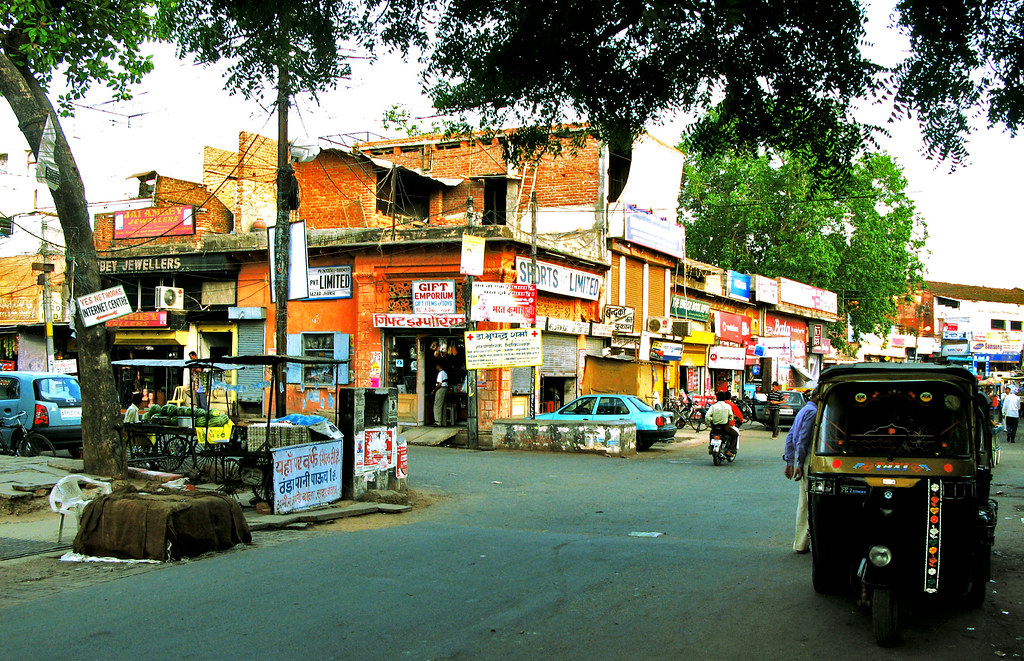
(303, 150)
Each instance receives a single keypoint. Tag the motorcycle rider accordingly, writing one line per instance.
(721, 415)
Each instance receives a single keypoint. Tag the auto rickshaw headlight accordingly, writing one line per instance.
(879, 555)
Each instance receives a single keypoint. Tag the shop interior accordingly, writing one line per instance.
(411, 356)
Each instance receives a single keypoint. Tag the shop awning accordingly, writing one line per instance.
(146, 338)
(801, 371)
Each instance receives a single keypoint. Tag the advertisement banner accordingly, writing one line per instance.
(739, 286)
(727, 358)
(766, 290)
(433, 296)
(141, 320)
(661, 234)
(306, 476)
(687, 308)
(326, 282)
(806, 296)
(515, 347)
(376, 451)
(153, 222)
(472, 262)
(559, 279)
(733, 327)
(504, 301)
(298, 262)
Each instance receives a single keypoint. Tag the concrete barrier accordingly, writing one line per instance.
(613, 438)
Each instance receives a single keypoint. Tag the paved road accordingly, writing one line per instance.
(526, 556)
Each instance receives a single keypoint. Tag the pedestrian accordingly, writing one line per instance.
(132, 414)
(440, 393)
(798, 445)
(1011, 413)
(775, 399)
(196, 374)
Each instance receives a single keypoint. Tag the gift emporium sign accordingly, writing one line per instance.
(433, 296)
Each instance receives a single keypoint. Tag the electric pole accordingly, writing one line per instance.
(282, 241)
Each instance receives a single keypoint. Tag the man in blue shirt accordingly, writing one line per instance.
(798, 444)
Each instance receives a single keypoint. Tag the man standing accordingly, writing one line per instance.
(798, 444)
(775, 399)
(1011, 413)
(199, 382)
(440, 393)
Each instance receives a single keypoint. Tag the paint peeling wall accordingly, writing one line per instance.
(616, 439)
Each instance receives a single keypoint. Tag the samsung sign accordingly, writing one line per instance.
(559, 279)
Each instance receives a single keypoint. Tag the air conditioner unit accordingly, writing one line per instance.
(170, 298)
(659, 324)
(680, 328)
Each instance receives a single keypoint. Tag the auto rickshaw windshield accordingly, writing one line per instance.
(895, 419)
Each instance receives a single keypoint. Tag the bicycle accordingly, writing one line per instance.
(24, 442)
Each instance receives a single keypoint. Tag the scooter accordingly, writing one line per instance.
(718, 444)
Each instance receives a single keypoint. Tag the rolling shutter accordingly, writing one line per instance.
(251, 342)
(635, 292)
(559, 355)
(656, 287)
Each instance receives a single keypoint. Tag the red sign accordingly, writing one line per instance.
(733, 327)
(139, 319)
(154, 221)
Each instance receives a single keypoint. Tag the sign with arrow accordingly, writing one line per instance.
(514, 347)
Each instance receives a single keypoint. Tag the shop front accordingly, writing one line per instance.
(784, 339)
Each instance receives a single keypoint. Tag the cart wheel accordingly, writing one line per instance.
(174, 454)
(265, 489)
(33, 445)
(885, 617)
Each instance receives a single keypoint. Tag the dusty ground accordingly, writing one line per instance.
(25, 579)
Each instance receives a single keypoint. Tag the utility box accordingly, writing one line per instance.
(373, 456)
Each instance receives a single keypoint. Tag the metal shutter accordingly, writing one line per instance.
(656, 287)
(635, 292)
(559, 355)
(594, 345)
(521, 380)
(614, 285)
(251, 336)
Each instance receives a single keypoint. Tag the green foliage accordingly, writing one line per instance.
(86, 42)
(311, 39)
(771, 216)
(782, 75)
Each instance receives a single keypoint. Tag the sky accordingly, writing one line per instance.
(974, 220)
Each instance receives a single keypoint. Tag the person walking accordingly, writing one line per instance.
(775, 399)
(798, 445)
(440, 393)
(1011, 413)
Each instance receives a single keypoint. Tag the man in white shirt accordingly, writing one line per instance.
(1011, 413)
(440, 392)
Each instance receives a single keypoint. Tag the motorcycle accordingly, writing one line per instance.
(718, 446)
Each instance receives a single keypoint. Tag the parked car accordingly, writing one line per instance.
(795, 400)
(52, 404)
(652, 426)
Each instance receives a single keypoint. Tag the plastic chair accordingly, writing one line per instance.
(66, 497)
(181, 396)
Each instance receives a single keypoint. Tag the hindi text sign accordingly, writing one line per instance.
(306, 476)
(504, 301)
(515, 347)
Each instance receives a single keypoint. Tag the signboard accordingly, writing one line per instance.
(306, 476)
(733, 327)
(727, 358)
(376, 450)
(103, 305)
(298, 262)
(601, 330)
(559, 279)
(739, 286)
(956, 349)
(167, 264)
(64, 366)
(327, 282)
(766, 290)
(148, 319)
(619, 317)
(806, 296)
(661, 350)
(775, 347)
(387, 320)
(433, 296)
(568, 326)
(504, 301)
(661, 234)
(153, 222)
(687, 308)
(472, 262)
(515, 347)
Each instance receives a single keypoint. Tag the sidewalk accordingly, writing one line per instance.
(29, 527)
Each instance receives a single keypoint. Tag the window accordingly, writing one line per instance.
(583, 406)
(998, 324)
(318, 345)
(612, 406)
(400, 193)
(495, 193)
(1016, 325)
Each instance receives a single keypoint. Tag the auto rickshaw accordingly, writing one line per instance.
(898, 488)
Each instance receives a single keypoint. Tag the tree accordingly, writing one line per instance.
(84, 43)
(779, 74)
(767, 215)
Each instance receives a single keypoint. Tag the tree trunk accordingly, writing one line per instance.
(104, 449)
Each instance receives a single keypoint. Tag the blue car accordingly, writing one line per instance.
(652, 426)
(52, 404)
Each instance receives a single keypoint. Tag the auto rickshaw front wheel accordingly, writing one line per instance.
(982, 572)
(885, 617)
